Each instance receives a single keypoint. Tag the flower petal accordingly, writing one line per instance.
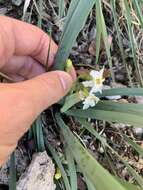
(88, 83)
(94, 74)
(102, 72)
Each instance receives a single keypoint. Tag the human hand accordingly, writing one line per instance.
(23, 52)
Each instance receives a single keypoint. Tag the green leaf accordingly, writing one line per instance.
(70, 101)
(73, 99)
(122, 92)
(134, 145)
(120, 40)
(72, 7)
(72, 169)
(103, 29)
(90, 186)
(132, 172)
(59, 164)
(12, 180)
(138, 11)
(113, 112)
(132, 41)
(98, 35)
(61, 8)
(128, 185)
(98, 176)
(79, 9)
(38, 134)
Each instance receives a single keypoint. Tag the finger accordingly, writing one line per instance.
(23, 102)
(22, 39)
(73, 73)
(47, 89)
(23, 67)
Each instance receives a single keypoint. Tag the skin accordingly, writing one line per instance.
(23, 54)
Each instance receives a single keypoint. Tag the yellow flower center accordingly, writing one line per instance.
(98, 81)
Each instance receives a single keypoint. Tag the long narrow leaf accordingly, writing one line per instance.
(117, 27)
(132, 172)
(134, 145)
(59, 163)
(104, 34)
(138, 11)
(61, 8)
(72, 169)
(122, 92)
(131, 37)
(92, 169)
(81, 12)
(12, 180)
(113, 112)
(38, 134)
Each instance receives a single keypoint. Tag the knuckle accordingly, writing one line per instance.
(42, 45)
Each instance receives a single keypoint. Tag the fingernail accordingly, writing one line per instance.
(73, 74)
(66, 81)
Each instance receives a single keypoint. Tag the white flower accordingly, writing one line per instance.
(90, 101)
(96, 84)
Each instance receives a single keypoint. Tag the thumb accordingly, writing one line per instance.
(46, 89)
(22, 102)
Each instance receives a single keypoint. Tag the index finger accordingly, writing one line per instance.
(19, 38)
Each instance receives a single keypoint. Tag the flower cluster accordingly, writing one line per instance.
(92, 86)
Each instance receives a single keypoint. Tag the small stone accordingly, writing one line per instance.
(92, 33)
(139, 99)
(120, 125)
(138, 131)
(17, 2)
(3, 11)
(39, 175)
(120, 77)
(21, 163)
(101, 150)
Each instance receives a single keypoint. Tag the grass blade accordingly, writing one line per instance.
(72, 7)
(59, 164)
(73, 99)
(38, 134)
(98, 35)
(98, 176)
(101, 21)
(70, 101)
(122, 92)
(113, 112)
(12, 180)
(131, 37)
(138, 11)
(90, 186)
(26, 5)
(61, 8)
(113, 4)
(72, 169)
(136, 176)
(129, 186)
(134, 145)
(68, 39)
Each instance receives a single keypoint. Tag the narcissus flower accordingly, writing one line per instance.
(90, 101)
(96, 83)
